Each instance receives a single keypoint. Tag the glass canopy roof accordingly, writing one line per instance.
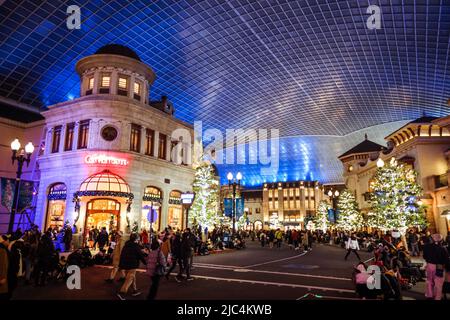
(306, 67)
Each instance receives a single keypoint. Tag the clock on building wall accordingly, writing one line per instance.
(109, 133)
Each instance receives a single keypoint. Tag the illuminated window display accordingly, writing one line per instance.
(175, 214)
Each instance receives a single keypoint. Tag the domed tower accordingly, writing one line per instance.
(115, 70)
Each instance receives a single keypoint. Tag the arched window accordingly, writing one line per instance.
(151, 208)
(175, 213)
(56, 206)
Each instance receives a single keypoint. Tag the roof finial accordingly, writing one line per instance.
(365, 136)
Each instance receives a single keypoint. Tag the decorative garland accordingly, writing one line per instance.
(104, 194)
(57, 196)
(152, 197)
(174, 200)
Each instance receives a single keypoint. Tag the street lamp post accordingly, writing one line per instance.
(333, 196)
(235, 184)
(187, 198)
(20, 155)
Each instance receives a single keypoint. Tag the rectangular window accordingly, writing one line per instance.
(135, 138)
(137, 91)
(162, 147)
(123, 83)
(56, 138)
(83, 134)
(105, 81)
(137, 88)
(149, 138)
(70, 129)
(91, 83)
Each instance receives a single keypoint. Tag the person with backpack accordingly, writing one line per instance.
(129, 261)
(156, 268)
(352, 246)
(279, 237)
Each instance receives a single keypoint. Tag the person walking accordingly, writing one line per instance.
(116, 259)
(352, 246)
(45, 254)
(4, 268)
(413, 243)
(176, 257)
(279, 237)
(129, 261)
(262, 238)
(294, 237)
(144, 237)
(436, 256)
(187, 252)
(102, 238)
(95, 234)
(67, 238)
(156, 265)
(305, 243)
(271, 237)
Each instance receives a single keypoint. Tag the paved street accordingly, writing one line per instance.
(253, 273)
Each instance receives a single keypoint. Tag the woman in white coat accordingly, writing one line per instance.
(352, 246)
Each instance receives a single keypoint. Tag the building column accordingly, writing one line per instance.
(114, 82)
(165, 209)
(75, 135)
(131, 86)
(93, 134)
(302, 201)
(96, 81)
(156, 144)
(168, 148)
(48, 141)
(63, 138)
(143, 140)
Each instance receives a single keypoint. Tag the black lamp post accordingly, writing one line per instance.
(235, 184)
(333, 196)
(20, 155)
(187, 198)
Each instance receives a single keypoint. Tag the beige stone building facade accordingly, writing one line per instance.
(423, 144)
(113, 158)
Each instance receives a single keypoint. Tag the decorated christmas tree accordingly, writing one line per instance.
(394, 199)
(204, 210)
(349, 218)
(321, 219)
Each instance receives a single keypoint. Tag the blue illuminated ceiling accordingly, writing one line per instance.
(308, 67)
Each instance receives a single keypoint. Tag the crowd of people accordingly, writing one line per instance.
(36, 256)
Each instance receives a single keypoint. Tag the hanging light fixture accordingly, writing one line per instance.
(380, 163)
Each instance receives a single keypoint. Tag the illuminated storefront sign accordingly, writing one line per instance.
(104, 159)
(187, 198)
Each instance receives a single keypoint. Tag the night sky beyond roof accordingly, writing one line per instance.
(310, 68)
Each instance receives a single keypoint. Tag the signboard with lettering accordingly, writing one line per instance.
(187, 198)
(98, 158)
